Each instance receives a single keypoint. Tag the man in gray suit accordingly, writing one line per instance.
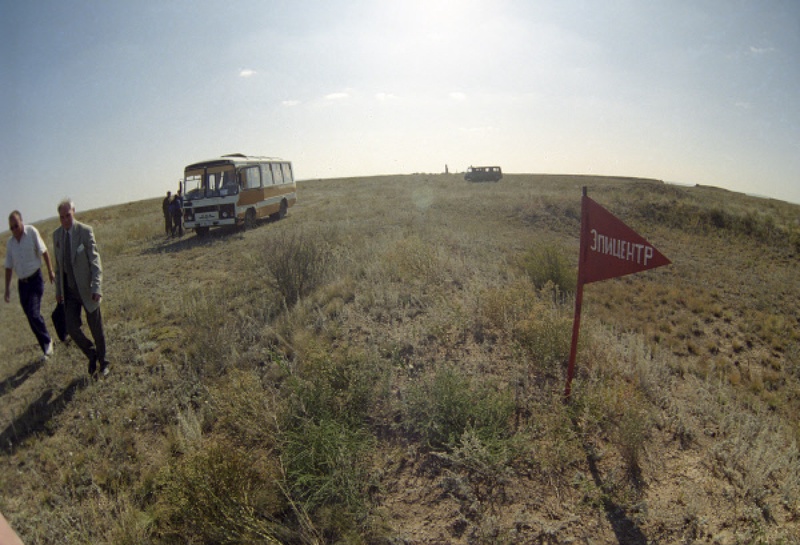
(79, 278)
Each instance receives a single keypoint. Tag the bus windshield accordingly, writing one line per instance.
(213, 182)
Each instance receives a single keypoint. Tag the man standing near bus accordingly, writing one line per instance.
(24, 254)
(176, 209)
(79, 278)
(167, 214)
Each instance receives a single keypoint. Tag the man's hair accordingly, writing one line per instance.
(65, 202)
(15, 213)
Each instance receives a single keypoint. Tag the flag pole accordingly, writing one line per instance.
(576, 323)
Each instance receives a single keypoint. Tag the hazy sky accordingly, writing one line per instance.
(107, 101)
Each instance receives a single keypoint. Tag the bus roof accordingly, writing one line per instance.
(235, 158)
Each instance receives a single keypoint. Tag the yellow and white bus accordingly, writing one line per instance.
(236, 189)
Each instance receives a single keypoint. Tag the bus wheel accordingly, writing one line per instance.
(250, 218)
(201, 231)
(281, 213)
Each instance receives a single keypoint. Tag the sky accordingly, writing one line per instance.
(107, 101)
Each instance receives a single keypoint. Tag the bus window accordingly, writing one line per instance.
(221, 181)
(277, 176)
(214, 181)
(250, 178)
(287, 172)
(193, 184)
(265, 172)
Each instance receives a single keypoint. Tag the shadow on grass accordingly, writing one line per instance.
(23, 374)
(625, 530)
(38, 414)
(192, 240)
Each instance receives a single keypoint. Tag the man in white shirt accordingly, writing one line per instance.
(24, 254)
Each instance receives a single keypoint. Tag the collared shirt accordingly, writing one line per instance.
(25, 255)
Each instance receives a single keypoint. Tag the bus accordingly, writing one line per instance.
(483, 174)
(236, 189)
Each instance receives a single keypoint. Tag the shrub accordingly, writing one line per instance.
(631, 436)
(219, 494)
(324, 438)
(442, 407)
(545, 335)
(502, 307)
(244, 409)
(296, 263)
(325, 465)
(412, 260)
(213, 332)
(336, 386)
(549, 263)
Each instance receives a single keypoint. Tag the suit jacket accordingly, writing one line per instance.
(86, 263)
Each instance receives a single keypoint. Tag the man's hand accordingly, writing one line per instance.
(7, 297)
(96, 297)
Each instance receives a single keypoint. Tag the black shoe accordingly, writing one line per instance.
(92, 365)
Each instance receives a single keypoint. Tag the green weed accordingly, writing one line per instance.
(444, 405)
(549, 267)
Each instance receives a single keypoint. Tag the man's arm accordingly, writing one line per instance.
(8, 284)
(57, 245)
(95, 264)
(50, 273)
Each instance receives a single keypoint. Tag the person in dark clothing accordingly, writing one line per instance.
(167, 215)
(176, 209)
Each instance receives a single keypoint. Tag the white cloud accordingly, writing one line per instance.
(385, 96)
(246, 73)
(290, 103)
(761, 50)
(336, 96)
(456, 95)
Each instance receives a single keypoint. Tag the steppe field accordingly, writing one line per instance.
(386, 366)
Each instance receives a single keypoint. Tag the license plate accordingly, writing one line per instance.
(206, 216)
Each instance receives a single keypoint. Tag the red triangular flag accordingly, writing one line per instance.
(609, 248)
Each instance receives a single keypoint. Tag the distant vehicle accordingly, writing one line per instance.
(483, 174)
(236, 189)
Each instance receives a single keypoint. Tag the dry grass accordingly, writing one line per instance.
(385, 365)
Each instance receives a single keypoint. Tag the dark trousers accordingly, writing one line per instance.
(177, 223)
(72, 311)
(167, 223)
(31, 290)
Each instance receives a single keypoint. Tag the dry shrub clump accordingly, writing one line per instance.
(219, 493)
(444, 405)
(211, 330)
(296, 263)
(413, 261)
(618, 393)
(547, 265)
(534, 321)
